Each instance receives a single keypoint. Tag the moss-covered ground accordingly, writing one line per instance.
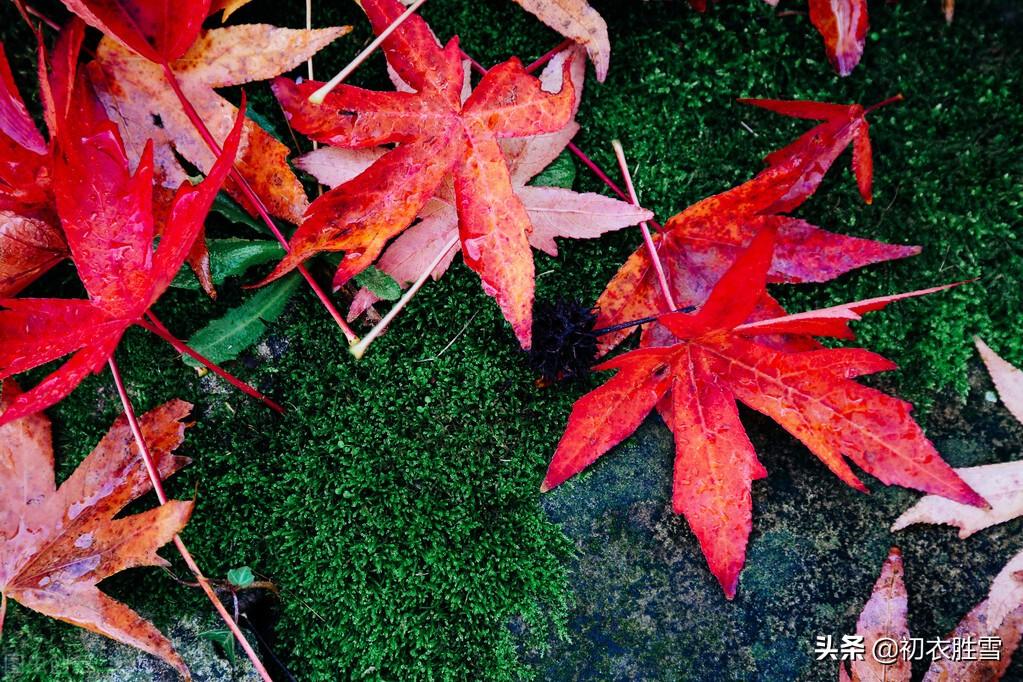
(396, 504)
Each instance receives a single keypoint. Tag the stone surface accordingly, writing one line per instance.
(205, 659)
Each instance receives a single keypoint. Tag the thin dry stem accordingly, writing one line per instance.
(317, 97)
(359, 349)
(647, 238)
(154, 477)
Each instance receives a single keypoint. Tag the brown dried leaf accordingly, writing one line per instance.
(56, 544)
(884, 616)
(575, 19)
(135, 94)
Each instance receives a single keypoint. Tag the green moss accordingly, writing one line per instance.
(396, 504)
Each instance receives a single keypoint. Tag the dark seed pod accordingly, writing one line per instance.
(564, 345)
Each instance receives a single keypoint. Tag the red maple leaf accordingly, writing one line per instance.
(716, 359)
(159, 30)
(107, 214)
(30, 237)
(698, 244)
(437, 136)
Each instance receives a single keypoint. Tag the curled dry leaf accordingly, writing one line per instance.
(843, 25)
(884, 616)
(575, 19)
(57, 544)
(999, 616)
(108, 219)
(698, 244)
(708, 360)
(1000, 484)
(136, 96)
(438, 137)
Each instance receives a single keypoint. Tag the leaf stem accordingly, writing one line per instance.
(359, 349)
(317, 97)
(254, 199)
(883, 103)
(156, 327)
(647, 239)
(642, 320)
(154, 477)
(563, 45)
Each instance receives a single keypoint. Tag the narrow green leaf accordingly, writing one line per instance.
(264, 123)
(223, 339)
(561, 173)
(230, 258)
(224, 638)
(232, 210)
(379, 283)
(241, 577)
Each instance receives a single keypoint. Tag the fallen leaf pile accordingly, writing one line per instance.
(108, 219)
(439, 137)
(135, 95)
(416, 175)
(554, 212)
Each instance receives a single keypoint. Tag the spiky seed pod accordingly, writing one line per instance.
(564, 345)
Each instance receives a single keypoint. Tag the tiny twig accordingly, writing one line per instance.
(269, 650)
(309, 27)
(317, 97)
(883, 103)
(589, 163)
(39, 15)
(156, 327)
(293, 594)
(452, 341)
(359, 349)
(647, 238)
(642, 320)
(161, 495)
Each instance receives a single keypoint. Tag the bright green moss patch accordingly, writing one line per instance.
(396, 504)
